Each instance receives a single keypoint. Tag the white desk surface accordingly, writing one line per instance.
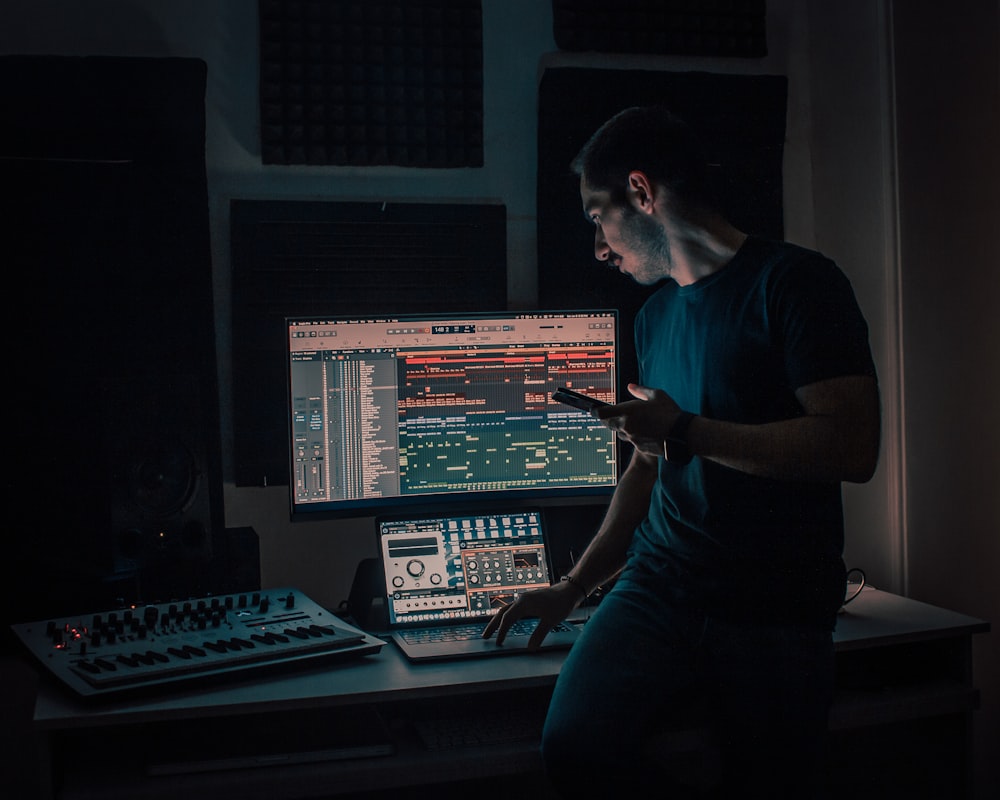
(876, 618)
(873, 619)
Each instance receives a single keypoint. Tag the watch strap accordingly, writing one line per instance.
(676, 447)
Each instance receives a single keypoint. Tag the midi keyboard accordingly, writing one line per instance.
(114, 652)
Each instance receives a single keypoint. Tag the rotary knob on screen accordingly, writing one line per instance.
(415, 567)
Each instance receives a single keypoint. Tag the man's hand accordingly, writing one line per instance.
(643, 422)
(551, 605)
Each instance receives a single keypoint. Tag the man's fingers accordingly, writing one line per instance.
(504, 626)
(491, 626)
(538, 635)
(504, 618)
(500, 623)
(531, 604)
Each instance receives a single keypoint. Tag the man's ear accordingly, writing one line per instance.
(640, 191)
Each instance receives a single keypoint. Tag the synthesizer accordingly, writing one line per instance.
(147, 646)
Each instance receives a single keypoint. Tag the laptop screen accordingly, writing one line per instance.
(460, 566)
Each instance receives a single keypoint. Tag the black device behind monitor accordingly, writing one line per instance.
(420, 410)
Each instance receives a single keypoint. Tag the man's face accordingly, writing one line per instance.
(632, 242)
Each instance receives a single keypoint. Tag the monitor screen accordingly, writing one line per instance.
(425, 410)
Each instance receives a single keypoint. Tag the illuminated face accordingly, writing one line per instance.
(632, 242)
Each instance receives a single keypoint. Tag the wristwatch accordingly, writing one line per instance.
(675, 448)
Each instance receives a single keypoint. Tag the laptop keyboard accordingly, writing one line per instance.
(457, 633)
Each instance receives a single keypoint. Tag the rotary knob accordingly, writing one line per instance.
(415, 567)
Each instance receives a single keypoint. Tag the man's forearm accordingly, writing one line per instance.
(605, 555)
(837, 439)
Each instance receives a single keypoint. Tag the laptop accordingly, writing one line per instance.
(447, 574)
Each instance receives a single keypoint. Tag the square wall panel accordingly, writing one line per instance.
(372, 82)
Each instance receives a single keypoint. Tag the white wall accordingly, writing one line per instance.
(851, 144)
(947, 86)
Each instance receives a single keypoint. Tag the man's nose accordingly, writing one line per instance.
(601, 249)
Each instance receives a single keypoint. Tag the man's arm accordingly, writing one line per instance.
(836, 438)
(603, 558)
(606, 553)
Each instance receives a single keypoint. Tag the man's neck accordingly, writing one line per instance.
(703, 247)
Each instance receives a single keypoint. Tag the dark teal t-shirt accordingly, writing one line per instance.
(735, 346)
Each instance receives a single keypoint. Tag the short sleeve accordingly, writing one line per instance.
(816, 316)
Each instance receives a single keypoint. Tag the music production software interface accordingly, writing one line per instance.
(460, 567)
(391, 408)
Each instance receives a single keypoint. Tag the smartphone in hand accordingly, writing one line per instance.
(577, 400)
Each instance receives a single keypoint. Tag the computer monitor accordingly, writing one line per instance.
(426, 410)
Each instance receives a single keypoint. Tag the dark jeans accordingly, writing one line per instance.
(765, 691)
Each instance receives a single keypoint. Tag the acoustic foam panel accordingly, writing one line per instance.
(372, 82)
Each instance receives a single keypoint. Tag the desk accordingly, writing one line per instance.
(904, 676)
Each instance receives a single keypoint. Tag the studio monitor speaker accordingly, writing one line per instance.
(116, 480)
(159, 481)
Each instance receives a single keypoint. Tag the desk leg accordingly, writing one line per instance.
(43, 749)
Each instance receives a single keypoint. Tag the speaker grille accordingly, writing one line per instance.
(160, 502)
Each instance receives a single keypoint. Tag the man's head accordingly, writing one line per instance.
(644, 186)
(650, 140)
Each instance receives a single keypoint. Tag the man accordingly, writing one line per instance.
(757, 398)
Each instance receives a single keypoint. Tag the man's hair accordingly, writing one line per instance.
(652, 140)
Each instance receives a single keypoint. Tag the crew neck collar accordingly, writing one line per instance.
(709, 280)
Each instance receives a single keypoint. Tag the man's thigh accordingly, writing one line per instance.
(633, 667)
